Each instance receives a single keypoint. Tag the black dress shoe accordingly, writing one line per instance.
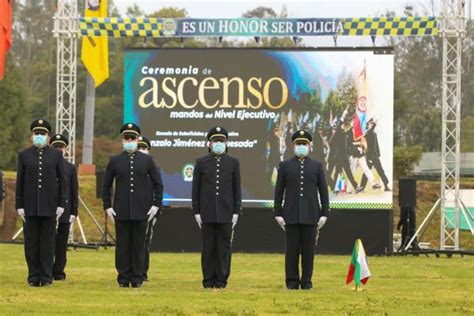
(46, 284)
(306, 286)
(220, 286)
(59, 278)
(208, 284)
(292, 286)
(137, 284)
(124, 284)
(33, 284)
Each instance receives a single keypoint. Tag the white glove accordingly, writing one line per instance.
(198, 220)
(21, 213)
(281, 221)
(111, 213)
(152, 212)
(59, 212)
(72, 218)
(235, 218)
(322, 221)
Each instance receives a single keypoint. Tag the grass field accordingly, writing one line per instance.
(399, 286)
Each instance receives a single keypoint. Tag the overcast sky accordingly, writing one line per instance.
(296, 8)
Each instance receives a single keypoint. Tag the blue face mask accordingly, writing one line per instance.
(40, 140)
(218, 148)
(301, 150)
(130, 147)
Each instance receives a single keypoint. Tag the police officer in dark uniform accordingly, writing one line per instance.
(144, 146)
(216, 204)
(373, 155)
(40, 201)
(339, 153)
(60, 142)
(299, 181)
(133, 204)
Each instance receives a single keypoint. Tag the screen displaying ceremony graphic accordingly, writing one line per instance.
(344, 98)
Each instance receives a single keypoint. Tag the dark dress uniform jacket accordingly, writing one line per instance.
(72, 197)
(301, 185)
(216, 193)
(41, 181)
(132, 173)
(373, 150)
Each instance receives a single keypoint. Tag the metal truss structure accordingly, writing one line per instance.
(65, 31)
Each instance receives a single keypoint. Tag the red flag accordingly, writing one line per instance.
(5, 32)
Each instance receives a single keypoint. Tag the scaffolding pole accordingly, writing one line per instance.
(65, 31)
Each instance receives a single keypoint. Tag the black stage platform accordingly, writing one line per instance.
(257, 232)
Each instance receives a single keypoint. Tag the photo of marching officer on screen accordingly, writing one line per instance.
(216, 204)
(339, 158)
(134, 205)
(373, 155)
(344, 137)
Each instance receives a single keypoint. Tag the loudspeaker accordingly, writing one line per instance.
(99, 178)
(407, 192)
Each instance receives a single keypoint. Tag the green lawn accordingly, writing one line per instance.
(399, 285)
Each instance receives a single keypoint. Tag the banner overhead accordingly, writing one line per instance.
(158, 27)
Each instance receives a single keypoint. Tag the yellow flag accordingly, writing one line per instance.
(95, 49)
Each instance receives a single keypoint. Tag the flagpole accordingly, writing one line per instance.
(87, 166)
(88, 140)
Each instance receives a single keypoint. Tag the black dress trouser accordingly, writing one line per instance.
(60, 259)
(300, 239)
(378, 167)
(339, 164)
(39, 233)
(215, 254)
(129, 251)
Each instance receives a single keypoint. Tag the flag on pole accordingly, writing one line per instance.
(360, 116)
(95, 49)
(5, 32)
(340, 183)
(359, 268)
